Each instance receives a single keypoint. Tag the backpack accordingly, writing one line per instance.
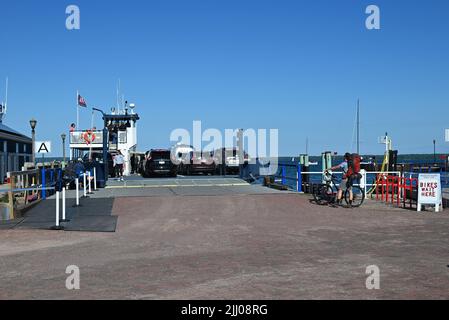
(354, 165)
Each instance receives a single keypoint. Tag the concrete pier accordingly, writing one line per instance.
(210, 238)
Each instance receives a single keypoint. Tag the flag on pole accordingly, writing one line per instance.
(82, 102)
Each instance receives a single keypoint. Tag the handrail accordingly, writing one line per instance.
(299, 175)
(28, 187)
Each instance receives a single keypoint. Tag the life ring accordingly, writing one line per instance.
(89, 136)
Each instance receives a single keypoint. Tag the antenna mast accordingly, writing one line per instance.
(118, 95)
(358, 126)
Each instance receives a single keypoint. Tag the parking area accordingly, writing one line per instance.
(244, 243)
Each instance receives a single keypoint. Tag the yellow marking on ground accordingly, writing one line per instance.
(179, 185)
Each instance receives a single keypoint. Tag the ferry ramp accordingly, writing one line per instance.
(136, 186)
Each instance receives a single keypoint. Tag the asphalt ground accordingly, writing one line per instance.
(226, 241)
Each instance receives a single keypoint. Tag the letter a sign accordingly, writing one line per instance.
(42, 146)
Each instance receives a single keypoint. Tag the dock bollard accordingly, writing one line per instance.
(57, 226)
(64, 219)
(95, 179)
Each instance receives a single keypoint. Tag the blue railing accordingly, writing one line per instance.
(284, 177)
(51, 180)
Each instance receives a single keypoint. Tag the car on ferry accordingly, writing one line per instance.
(181, 154)
(202, 162)
(158, 163)
(231, 160)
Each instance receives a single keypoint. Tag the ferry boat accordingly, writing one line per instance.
(119, 134)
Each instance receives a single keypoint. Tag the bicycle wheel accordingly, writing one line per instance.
(327, 194)
(358, 196)
(317, 192)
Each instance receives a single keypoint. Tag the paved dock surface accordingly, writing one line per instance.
(238, 242)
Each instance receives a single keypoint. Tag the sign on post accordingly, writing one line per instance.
(429, 190)
(42, 147)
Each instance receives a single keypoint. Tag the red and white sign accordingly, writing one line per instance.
(429, 190)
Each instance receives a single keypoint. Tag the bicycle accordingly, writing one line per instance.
(326, 193)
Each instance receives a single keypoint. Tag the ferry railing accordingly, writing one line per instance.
(367, 182)
(80, 137)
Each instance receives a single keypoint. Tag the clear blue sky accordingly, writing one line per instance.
(298, 66)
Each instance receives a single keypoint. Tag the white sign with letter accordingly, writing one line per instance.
(429, 190)
(42, 146)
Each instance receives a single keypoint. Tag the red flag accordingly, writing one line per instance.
(82, 102)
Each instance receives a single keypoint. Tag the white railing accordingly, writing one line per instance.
(78, 137)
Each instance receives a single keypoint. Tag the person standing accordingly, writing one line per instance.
(119, 161)
(346, 182)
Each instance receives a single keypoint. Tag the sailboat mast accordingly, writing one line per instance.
(358, 126)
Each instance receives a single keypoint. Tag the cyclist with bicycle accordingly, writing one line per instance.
(347, 180)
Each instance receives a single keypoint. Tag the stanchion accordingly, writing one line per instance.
(89, 178)
(95, 179)
(64, 219)
(57, 226)
(84, 186)
(77, 200)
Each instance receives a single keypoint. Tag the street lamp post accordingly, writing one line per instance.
(63, 136)
(33, 124)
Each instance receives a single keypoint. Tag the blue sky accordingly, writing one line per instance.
(298, 66)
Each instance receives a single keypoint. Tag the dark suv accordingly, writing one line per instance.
(158, 162)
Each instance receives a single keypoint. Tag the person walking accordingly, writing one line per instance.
(119, 161)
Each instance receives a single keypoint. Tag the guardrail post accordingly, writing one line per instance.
(77, 200)
(57, 226)
(95, 179)
(84, 185)
(64, 219)
(363, 180)
(89, 178)
(298, 178)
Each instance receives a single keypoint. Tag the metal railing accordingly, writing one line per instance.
(78, 137)
(27, 188)
(302, 184)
